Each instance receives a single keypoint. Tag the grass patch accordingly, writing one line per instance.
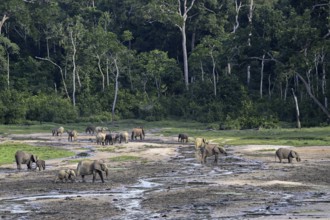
(8, 150)
(108, 149)
(125, 158)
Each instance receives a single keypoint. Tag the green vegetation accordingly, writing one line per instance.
(8, 150)
(126, 158)
(243, 73)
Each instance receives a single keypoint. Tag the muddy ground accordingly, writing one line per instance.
(169, 183)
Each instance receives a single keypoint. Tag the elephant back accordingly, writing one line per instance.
(84, 167)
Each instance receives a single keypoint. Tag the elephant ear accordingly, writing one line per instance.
(292, 154)
(34, 158)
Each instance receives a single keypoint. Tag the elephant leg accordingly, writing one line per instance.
(101, 175)
(290, 159)
(94, 176)
(83, 178)
(216, 158)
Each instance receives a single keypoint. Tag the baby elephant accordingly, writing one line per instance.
(183, 138)
(284, 153)
(209, 150)
(65, 175)
(41, 164)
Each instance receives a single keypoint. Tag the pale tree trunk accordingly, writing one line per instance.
(309, 91)
(229, 68)
(74, 50)
(2, 22)
(183, 11)
(202, 70)
(100, 69)
(269, 86)
(297, 109)
(62, 75)
(108, 79)
(248, 77)
(323, 82)
(213, 74)
(116, 90)
(262, 74)
(286, 88)
(250, 21)
(237, 9)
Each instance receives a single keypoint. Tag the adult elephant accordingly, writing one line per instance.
(58, 131)
(90, 129)
(87, 167)
(100, 138)
(138, 132)
(72, 135)
(22, 157)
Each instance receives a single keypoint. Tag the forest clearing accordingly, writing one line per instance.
(159, 177)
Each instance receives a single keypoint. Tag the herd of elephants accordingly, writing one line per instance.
(203, 149)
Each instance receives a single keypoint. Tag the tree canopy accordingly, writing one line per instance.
(239, 64)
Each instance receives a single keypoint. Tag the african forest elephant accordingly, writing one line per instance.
(65, 175)
(41, 164)
(138, 132)
(87, 167)
(58, 131)
(22, 157)
(72, 135)
(123, 136)
(110, 139)
(200, 142)
(209, 150)
(90, 129)
(183, 138)
(284, 153)
(100, 138)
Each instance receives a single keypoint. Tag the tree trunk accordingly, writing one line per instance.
(312, 96)
(297, 109)
(8, 69)
(262, 74)
(248, 77)
(74, 69)
(116, 91)
(213, 74)
(100, 69)
(2, 22)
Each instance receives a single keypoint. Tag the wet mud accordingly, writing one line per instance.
(246, 184)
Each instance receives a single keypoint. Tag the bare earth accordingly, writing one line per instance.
(169, 183)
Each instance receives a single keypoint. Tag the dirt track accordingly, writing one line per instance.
(169, 183)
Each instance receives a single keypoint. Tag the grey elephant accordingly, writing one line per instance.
(65, 175)
(58, 131)
(110, 139)
(284, 153)
(183, 138)
(100, 138)
(101, 129)
(209, 150)
(87, 167)
(41, 164)
(90, 129)
(138, 132)
(123, 136)
(22, 157)
(72, 135)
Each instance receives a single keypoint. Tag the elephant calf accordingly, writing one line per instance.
(209, 150)
(72, 135)
(284, 153)
(41, 164)
(110, 139)
(65, 175)
(183, 138)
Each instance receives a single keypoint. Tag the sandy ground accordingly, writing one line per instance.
(168, 182)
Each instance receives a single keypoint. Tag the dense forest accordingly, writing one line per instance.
(237, 64)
